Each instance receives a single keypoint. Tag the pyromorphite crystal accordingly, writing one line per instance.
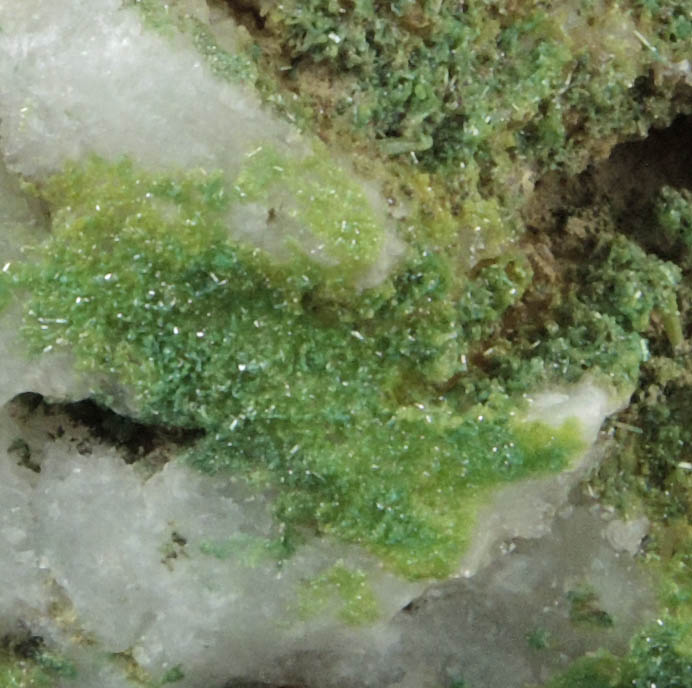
(338, 403)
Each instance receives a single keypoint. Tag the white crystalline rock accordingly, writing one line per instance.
(484, 621)
(627, 536)
(87, 564)
(83, 76)
(100, 544)
(527, 509)
(587, 403)
(51, 374)
(21, 222)
(121, 556)
(21, 594)
(125, 554)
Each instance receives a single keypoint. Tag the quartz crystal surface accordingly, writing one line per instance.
(345, 344)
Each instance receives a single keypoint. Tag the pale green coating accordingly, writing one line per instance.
(343, 588)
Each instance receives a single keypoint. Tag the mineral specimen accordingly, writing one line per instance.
(349, 316)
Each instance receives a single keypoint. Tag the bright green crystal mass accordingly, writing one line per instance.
(337, 397)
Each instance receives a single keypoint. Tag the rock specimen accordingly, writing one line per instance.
(321, 256)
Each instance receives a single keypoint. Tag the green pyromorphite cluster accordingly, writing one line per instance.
(674, 217)
(478, 91)
(345, 399)
(657, 657)
(426, 72)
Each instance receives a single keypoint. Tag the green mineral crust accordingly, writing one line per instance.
(360, 280)
(333, 395)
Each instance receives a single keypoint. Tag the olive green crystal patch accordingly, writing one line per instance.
(335, 399)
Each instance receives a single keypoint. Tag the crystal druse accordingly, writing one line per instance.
(337, 271)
